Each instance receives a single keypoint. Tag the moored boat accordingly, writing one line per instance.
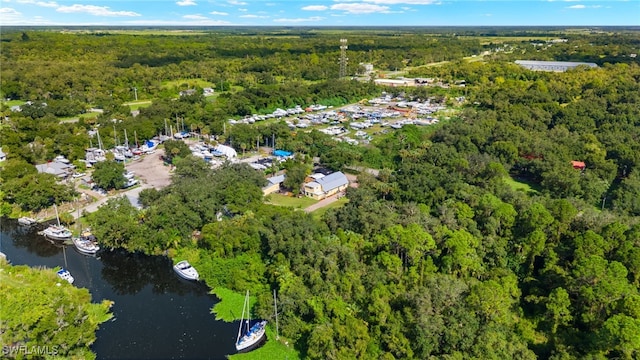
(64, 274)
(57, 232)
(86, 243)
(27, 221)
(252, 337)
(186, 271)
(249, 335)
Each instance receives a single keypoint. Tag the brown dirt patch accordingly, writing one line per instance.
(151, 170)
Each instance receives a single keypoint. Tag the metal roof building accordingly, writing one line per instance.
(559, 66)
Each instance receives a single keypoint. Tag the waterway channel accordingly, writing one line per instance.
(157, 315)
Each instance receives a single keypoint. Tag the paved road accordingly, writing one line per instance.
(132, 194)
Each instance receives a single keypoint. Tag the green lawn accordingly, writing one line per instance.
(11, 103)
(336, 204)
(135, 105)
(522, 185)
(292, 201)
(272, 350)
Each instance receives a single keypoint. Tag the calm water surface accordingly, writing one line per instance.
(157, 315)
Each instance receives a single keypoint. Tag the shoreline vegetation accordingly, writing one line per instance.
(44, 302)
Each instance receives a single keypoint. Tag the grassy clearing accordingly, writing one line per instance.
(291, 201)
(140, 104)
(522, 185)
(273, 349)
(87, 115)
(230, 306)
(11, 103)
(191, 83)
(336, 204)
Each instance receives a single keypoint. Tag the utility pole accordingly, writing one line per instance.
(135, 92)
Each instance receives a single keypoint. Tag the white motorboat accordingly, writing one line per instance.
(86, 243)
(249, 336)
(64, 274)
(27, 221)
(186, 271)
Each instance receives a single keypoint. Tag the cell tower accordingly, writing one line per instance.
(343, 58)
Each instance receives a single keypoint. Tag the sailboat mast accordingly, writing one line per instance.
(57, 216)
(99, 140)
(244, 306)
(248, 311)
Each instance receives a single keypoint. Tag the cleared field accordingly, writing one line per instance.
(521, 185)
(139, 104)
(12, 103)
(190, 83)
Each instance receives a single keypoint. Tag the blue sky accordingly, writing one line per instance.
(319, 12)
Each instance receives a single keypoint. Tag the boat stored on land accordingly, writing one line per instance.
(186, 271)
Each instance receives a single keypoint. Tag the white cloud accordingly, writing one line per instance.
(186, 3)
(51, 4)
(315, 8)
(580, 6)
(94, 10)
(409, 2)
(236, 2)
(360, 8)
(299, 20)
(243, 10)
(9, 12)
(219, 13)
(195, 17)
(252, 16)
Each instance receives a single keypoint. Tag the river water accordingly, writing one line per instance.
(157, 315)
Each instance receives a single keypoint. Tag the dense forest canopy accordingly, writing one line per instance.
(477, 239)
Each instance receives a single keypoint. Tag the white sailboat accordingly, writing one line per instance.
(57, 232)
(249, 336)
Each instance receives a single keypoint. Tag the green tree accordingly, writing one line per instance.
(109, 175)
